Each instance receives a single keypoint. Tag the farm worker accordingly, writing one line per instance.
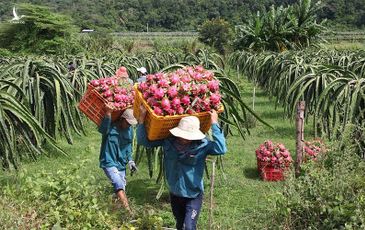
(116, 150)
(122, 73)
(184, 161)
(142, 71)
(71, 66)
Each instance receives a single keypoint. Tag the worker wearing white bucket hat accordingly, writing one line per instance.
(184, 161)
(188, 129)
(143, 72)
(142, 69)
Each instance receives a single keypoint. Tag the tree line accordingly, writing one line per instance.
(181, 15)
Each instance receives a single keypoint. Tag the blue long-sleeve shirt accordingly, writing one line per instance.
(184, 169)
(116, 145)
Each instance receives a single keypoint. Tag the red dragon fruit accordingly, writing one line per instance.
(184, 91)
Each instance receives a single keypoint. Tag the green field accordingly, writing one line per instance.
(73, 192)
(345, 45)
(264, 65)
(240, 197)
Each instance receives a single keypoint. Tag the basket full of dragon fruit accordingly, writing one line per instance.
(168, 97)
(116, 90)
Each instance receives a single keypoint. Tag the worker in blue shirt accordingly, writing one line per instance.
(184, 161)
(116, 150)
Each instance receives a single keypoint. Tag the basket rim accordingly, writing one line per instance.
(169, 117)
(91, 87)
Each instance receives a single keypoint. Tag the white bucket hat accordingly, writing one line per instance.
(142, 70)
(188, 129)
(128, 115)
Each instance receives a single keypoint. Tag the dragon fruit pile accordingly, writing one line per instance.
(184, 91)
(116, 89)
(313, 148)
(274, 154)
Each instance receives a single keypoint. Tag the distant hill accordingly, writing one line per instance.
(179, 15)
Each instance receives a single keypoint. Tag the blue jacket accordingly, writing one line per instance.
(184, 170)
(116, 145)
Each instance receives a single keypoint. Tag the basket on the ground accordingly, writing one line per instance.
(272, 160)
(92, 105)
(158, 127)
(261, 165)
(269, 172)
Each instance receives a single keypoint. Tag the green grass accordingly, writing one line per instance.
(240, 197)
(346, 45)
(142, 45)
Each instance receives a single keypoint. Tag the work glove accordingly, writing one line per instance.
(132, 166)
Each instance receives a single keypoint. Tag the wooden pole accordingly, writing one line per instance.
(238, 72)
(253, 97)
(300, 135)
(211, 196)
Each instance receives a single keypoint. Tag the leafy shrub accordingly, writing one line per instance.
(281, 28)
(216, 33)
(180, 46)
(166, 47)
(70, 198)
(128, 44)
(40, 31)
(149, 220)
(353, 139)
(4, 52)
(64, 198)
(191, 46)
(250, 121)
(330, 194)
(97, 42)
